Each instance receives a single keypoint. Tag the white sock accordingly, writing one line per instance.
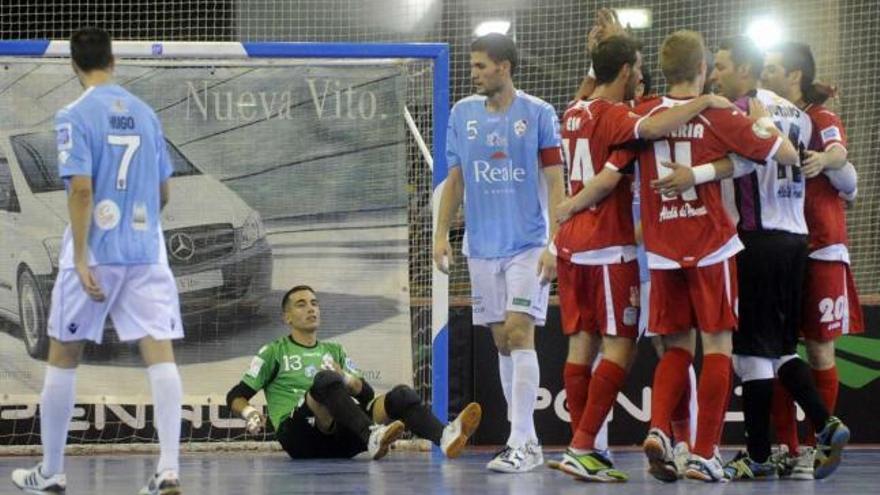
(524, 395)
(601, 441)
(56, 408)
(167, 396)
(505, 372)
(692, 375)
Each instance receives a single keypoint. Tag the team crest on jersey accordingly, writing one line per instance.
(831, 133)
(520, 127)
(311, 371)
(760, 131)
(255, 367)
(107, 214)
(496, 139)
(62, 157)
(327, 362)
(64, 136)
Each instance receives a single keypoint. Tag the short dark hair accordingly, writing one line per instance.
(499, 48)
(799, 56)
(646, 82)
(611, 55)
(91, 49)
(745, 51)
(295, 288)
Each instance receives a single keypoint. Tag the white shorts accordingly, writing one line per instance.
(141, 300)
(499, 285)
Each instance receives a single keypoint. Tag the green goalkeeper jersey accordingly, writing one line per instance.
(285, 370)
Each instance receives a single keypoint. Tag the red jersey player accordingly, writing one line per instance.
(831, 306)
(690, 241)
(597, 268)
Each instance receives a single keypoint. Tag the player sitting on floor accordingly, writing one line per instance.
(309, 386)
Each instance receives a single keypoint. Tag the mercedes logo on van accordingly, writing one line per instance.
(182, 246)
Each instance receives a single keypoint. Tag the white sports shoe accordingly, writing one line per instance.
(708, 470)
(803, 465)
(456, 433)
(680, 455)
(165, 483)
(32, 481)
(382, 437)
(517, 459)
(658, 449)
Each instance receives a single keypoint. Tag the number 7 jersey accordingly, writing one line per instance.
(693, 229)
(113, 137)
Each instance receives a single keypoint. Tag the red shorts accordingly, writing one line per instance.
(702, 297)
(600, 299)
(829, 296)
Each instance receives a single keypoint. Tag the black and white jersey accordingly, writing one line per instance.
(770, 196)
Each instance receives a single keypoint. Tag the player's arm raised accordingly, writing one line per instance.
(662, 123)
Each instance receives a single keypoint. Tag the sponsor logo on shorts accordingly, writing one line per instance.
(522, 301)
(630, 316)
(73, 327)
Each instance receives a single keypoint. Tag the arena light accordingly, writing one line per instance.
(634, 18)
(765, 32)
(494, 26)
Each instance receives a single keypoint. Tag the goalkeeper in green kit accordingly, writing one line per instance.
(319, 404)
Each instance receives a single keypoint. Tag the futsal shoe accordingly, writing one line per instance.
(32, 481)
(517, 459)
(165, 483)
(592, 466)
(456, 433)
(708, 470)
(743, 467)
(803, 466)
(381, 438)
(680, 455)
(829, 447)
(658, 449)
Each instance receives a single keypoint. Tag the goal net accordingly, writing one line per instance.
(294, 164)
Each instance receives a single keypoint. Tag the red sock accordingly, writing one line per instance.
(681, 418)
(606, 383)
(827, 384)
(784, 418)
(670, 381)
(576, 378)
(712, 393)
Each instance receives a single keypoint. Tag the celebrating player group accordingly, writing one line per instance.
(738, 241)
(741, 179)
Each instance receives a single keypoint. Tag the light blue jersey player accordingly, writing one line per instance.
(113, 158)
(113, 137)
(505, 161)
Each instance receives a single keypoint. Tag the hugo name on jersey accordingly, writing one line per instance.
(693, 229)
(771, 196)
(825, 209)
(501, 157)
(590, 129)
(113, 137)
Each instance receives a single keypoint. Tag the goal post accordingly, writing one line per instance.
(33, 87)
